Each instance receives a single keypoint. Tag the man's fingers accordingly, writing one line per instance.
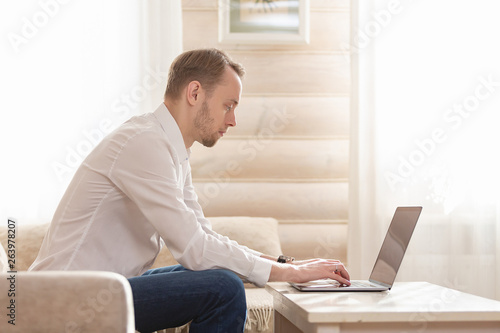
(339, 269)
(340, 279)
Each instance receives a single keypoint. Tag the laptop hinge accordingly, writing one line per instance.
(380, 283)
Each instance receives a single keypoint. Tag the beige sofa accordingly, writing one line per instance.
(87, 301)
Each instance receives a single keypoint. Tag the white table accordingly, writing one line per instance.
(408, 307)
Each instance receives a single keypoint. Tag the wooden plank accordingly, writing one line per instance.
(277, 72)
(267, 159)
(283, 201)
(200, 3)
(292, 116)
(200, 29)
(305, 241)
(328, 4)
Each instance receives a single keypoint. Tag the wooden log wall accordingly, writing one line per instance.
(288, 156)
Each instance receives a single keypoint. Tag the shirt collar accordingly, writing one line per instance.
(172, 131)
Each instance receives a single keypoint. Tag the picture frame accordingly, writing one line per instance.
(264, 21)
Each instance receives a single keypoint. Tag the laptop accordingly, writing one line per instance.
(388, 261)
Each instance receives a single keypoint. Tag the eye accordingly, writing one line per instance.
(228, 108)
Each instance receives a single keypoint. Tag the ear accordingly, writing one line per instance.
(193, 92)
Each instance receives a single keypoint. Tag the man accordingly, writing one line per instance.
(135, 190)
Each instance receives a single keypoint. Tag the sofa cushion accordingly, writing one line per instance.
(4, 265)
(29, 238)
(257, 233)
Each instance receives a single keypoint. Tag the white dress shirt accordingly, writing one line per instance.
(133, 190)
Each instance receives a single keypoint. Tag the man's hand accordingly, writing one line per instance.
(308, 270)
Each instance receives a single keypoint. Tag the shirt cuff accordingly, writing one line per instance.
(261, 271)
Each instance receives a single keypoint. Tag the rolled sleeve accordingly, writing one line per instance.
(261, 272)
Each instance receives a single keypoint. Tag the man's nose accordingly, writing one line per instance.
(231, 119)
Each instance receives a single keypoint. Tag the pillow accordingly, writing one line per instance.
(257, 233)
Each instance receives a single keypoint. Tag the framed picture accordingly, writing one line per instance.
(264, 21)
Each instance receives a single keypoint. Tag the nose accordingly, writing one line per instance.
(231, 119)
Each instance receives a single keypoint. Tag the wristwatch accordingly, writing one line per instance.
(285, 259)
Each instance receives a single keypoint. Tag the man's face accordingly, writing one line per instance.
(216, 114)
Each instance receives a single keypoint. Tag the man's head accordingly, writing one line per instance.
(206, 66)
(203, 89)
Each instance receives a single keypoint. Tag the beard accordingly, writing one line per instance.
(205, 124)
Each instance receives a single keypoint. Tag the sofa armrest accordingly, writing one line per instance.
(77, 301)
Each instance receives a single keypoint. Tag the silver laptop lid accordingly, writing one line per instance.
(394, 246)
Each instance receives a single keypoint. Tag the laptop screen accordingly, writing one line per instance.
(394, 246)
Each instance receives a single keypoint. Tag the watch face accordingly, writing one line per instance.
(282, 259)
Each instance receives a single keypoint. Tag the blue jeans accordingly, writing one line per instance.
(213, 300)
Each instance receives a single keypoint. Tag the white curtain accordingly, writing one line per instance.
(425, 128)
(72, 71)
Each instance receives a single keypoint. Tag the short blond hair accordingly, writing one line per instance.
(206, 66)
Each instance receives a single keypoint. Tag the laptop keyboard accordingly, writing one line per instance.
(361, 284)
